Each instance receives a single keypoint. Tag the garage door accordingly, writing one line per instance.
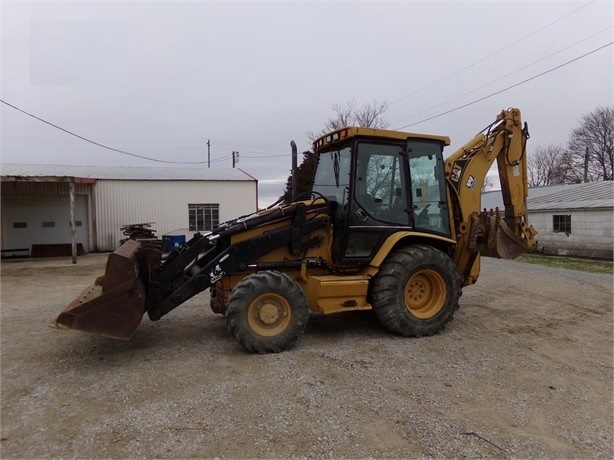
(39, 219)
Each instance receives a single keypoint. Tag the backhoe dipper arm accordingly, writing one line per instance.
(484, 232)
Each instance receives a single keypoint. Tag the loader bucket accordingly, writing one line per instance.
(114, 305)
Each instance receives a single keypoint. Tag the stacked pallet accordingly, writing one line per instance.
(142, 233)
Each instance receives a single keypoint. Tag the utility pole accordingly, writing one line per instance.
(235, 158)
(208, 153)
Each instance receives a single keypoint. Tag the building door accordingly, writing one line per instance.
(42, 219)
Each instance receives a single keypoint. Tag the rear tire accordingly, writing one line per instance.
(416, 291)
(267, 312)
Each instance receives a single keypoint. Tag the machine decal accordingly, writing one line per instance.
(216, 274)
(470, 182)
(456, 172)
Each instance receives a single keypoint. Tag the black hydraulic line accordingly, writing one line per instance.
(257, 220)
(271, 216)
(283, 265)
(289, 264)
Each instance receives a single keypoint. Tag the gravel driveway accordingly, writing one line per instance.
(524, 371)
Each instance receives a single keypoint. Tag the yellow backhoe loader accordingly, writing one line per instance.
(389, 225)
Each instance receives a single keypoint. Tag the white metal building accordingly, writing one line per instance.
(572, 219)
(178, 201)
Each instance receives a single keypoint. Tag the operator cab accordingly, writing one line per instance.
(380, 182)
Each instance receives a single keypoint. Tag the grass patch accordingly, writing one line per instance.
(570, 263)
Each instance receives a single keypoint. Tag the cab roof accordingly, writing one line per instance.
(341, 135)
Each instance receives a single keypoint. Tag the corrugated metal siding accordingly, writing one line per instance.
(578, 196)
(590, 195)
(165, 203)
(22, 171)
(42, 188)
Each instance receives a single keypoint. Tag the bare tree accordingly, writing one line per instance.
(345, 116)
(591, 146)
(550, 165)
(368, 116)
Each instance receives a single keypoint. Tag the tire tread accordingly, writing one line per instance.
(251, 287)
(389, 284)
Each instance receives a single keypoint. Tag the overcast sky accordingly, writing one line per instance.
(159, 79)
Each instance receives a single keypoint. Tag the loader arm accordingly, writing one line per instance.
(136, 280)
(236, 258)
(488, 232)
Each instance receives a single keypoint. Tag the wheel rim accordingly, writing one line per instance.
(425, 294)
(269, 315)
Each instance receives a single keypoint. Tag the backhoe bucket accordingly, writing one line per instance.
(503, 243)
(114, 305)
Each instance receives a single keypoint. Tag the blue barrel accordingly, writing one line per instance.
(172, 242)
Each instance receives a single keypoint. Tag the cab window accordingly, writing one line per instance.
(428, 188)
(380, 182)
(332, 177)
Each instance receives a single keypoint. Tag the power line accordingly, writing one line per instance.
(217, 160)
(249, 157)
(266, 156)
(492, 54)
(156, 143)
(508, 88)
(98, 143)
(502, 77)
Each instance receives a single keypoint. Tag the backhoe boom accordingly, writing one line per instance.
(486, 232)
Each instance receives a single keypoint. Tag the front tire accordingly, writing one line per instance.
(267, 312)
(416, 291)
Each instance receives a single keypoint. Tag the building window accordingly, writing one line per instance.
(20, 225)
(561, 224)
(48, 224)
(203, 217)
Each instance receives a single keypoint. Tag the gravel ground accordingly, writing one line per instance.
(524, 371)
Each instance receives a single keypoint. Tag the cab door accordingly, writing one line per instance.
(380, 198)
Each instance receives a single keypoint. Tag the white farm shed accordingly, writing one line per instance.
(177, 201)
(571, 219)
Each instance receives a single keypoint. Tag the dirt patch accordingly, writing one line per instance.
(524, 371)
